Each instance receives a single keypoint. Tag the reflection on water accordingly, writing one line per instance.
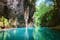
(26, 35)
(42, 34)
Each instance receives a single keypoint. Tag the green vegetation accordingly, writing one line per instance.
(41, 10)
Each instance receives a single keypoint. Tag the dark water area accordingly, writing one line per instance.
(19, 34)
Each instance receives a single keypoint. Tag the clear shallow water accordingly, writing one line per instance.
(19, 34)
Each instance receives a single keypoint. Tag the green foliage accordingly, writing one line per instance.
(41, 10)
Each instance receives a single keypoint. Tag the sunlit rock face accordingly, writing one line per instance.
(13, 9)
(16, 7)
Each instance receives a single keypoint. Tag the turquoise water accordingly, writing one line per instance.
(19, 34)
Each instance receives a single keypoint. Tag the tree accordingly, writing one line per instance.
(40, 12)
